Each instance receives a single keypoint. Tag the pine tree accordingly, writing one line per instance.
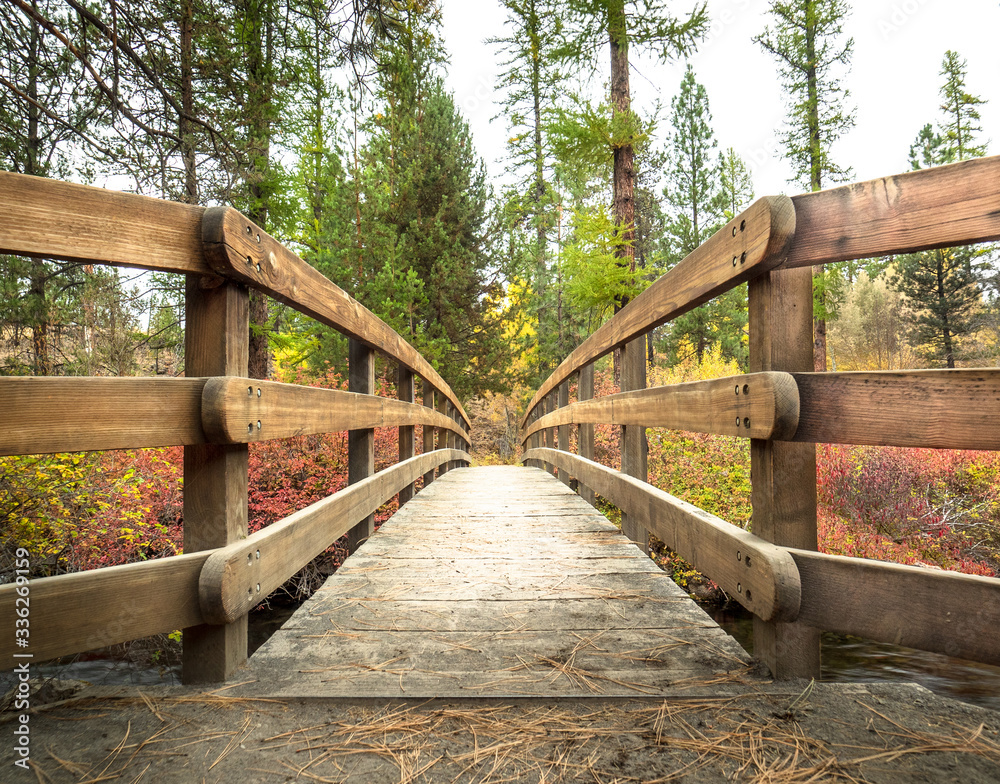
(698, 204)
(942, 285)
(807, 41)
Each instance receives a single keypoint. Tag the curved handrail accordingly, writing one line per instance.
(934, 208)
(237, 248)
(750, 244)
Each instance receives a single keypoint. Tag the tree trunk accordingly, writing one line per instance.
(815, 176)
(623, 176)
(187, 102)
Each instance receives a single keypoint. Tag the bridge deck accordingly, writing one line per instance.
(497, 582)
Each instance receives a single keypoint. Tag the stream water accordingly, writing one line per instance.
(846, 658)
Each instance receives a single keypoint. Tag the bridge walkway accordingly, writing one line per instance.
(497, 582)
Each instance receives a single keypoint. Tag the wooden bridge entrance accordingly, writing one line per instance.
(497, 582)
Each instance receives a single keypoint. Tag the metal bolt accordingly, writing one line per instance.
(746, 422)
(258, 424)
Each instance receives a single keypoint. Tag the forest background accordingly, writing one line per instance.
(330, 125)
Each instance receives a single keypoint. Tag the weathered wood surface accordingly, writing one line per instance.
(783, 475)
(216, 476)
(360, 442)
(45, 415)
(60, 220)
(762, 577)
(747, 246)
(957, 204)
(238, 248)
(755, 405)
(945, 612)
(72, 613)
(496, 582)
(948, 409)
(238, 577)
(232, 408)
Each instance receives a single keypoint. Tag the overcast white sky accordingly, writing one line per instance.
(894, 79)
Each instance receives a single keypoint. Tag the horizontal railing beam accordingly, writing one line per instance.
(759, 575)
(945, 612)
(50, 219)
(59, 414)
(240, 410)
(945, 409)
(755, 405)
(45, 415)
(238, 248)
(958, 204)
(750, 244)
(83, 611)
(238, 577)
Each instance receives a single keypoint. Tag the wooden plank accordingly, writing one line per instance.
(236, 247)
(946, 612)
(215, 476)
(949, 205)
(49, 219)
(783, 475)
(360, 441)
(73, 613)
(441, 435)
(754, 405)
(759, 575)
(749, 245)
(238, 577)
(584, 431)
(232, 407)
(944, 409)
(405, 393)
(45, 415)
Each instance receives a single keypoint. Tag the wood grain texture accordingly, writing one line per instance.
(428, 394)
(45, 415)
(760, 576)
(585, 430)
(232, 407)
(754, 405)
(634, 446)
(484, 585)
(59, 220)
(747, 246)
(237, 248)
(949, 205)
(238, 577)
(215, 476)
(360, 441)
(945, 612)
(73, 613)
(783, 475)
(944, 409)
(407, 444)
(562, 432)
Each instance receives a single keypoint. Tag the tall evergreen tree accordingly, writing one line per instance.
(942, 285)
(808, 42)
(620, 24)
(697, 205)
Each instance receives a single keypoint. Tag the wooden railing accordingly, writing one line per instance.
(784, 409)
(215, 412)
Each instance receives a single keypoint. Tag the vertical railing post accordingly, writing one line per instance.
(452, 437)
(783, 474)
(442, 433)
(428, 400)
(360, 443)
(404, 391)
(550, 432)
(564, 430)
(215, 476)
(633, 371)
(535, 439)
(585, 433)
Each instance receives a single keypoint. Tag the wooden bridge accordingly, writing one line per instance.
(502, 581)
